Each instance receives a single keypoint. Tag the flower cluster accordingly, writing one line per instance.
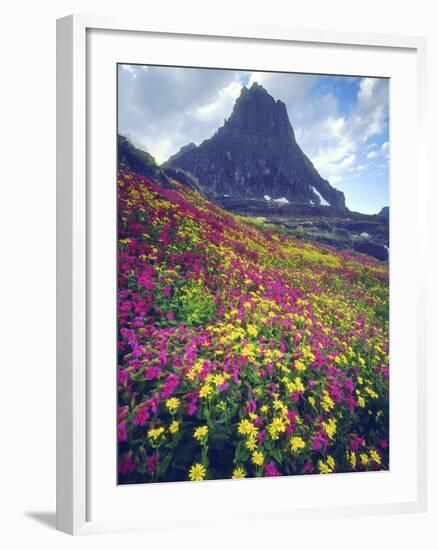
(243, 351)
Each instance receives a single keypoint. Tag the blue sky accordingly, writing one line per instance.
(340, 122)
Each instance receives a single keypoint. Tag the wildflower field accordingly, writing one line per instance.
(243, 352)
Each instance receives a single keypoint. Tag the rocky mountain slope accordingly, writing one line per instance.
(255, 155)
(337, 227)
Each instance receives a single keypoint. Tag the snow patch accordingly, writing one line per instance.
(267, 197)
(323, 201)
(282, 200)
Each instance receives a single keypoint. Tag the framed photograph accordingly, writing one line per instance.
(239, 319)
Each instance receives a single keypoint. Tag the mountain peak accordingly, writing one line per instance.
(257, 113)
(255, 154)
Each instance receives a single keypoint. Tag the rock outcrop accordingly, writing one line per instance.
(255, 155)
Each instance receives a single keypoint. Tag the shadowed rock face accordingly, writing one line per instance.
(255, 154)
(384, 213)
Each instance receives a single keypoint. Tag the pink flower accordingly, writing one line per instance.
(319, 441)
(141, 415)
(308, 467)
(152, 373)
(355, 442)
(123, 376)
(261, 437)
(126, 466)
(152, 462)
(121, 431)
(270, 470)
(146, 281)
(169, 386)
(191, 408)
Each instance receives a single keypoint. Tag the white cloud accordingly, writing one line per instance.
(164, 108)
(383, 151)
(221, 106)
(347, 161)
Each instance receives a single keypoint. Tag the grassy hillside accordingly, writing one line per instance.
(242, 350)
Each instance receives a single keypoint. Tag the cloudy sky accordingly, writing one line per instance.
(341, 123)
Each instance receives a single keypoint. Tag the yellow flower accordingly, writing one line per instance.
(375, 457)
(197, 472)
(331, 462)
(174, 427)
(249, 351)
(172, 404)
(245, 427)
(361, 401)
(252, 330)
(196, 369)
(327, 401)
(257, 458)
(155, 433)
(277, 426)
(330, 427)
(205, 391)
(264, 409)
(217, 379)
(238, 473)
(251, 442)
(279, 406)
(299, 365)
(201, 433)
(364, 459)
(371, 393)
(294, 386)
(326, 468)
(311, 400)
(296, 443)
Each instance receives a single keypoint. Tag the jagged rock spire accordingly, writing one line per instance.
(255, 154)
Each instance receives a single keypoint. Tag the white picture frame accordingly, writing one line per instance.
(75, 217)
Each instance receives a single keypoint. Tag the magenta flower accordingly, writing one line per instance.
(126, 466)
(123, 376)
(355, 442)
(270, 470)
(152, 462)
(121, 431)
(141, 415)
(308, 467)
(319, 441)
